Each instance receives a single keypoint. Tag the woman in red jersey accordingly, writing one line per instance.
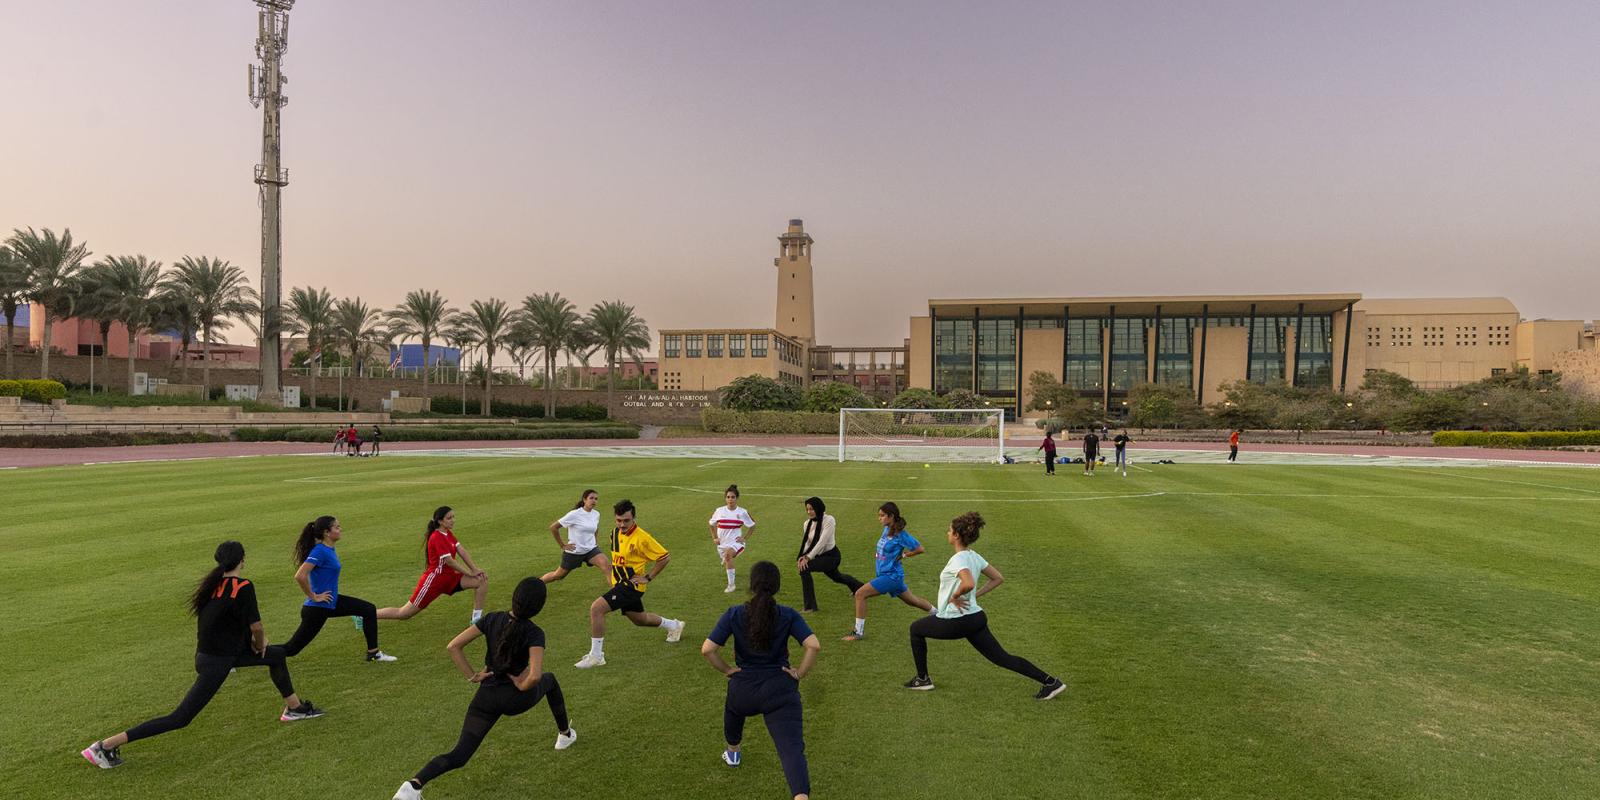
(449, 570)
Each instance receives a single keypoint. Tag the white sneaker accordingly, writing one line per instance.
(675, 634)
(565, 740)
(407, 792)
(590, 660)
(730, 589)
(381, 656)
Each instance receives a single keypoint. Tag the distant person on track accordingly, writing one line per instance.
(338, 440)
(1091, 451)
(580, 547)
(377, 440)
(958, 615)
(511, 682)
(1121, 443)
(895, 545)
(352, 439)
(730, 527)
(632, 550)
(1233, 446)
(1049, 448)
(230, 636)
(819, 552)
(448, 568)
(318, 577)
(761, 680)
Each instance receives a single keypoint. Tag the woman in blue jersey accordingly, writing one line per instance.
(958, 615)
(761, 680)
(895, 545)
(318, 577)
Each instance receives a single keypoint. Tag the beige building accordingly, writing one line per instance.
(710, 358)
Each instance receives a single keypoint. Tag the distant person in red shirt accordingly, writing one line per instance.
(352, 441)
(338, 439)
(449, 570)
(1233, 446)
(1049, 448)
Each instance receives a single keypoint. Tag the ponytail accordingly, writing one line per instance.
(761, 611)
(433, 525)
(228, 556)
(897, 523)
(310, 535)
(585, 496)
(527, 600)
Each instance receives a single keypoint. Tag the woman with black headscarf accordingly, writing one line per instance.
(819, 553)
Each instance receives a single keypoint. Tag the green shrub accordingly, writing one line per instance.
(915, 398)
(39, 440)
(446, 433)
(1516, 439)
(760, 393)
(830, 396)
(42, 391)
(10, 388)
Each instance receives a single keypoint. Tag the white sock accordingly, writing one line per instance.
(671, 624)
(477, 614)
(597, 647)
(730, 577)
(861, 626)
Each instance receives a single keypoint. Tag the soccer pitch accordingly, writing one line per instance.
(1224, 631)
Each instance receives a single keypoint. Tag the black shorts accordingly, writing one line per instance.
(571, 561)
(623, 598)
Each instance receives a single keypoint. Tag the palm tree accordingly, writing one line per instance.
(216, 292)
(488, 324)
(461, 339)
(550, 319)
(309, 313)
(92, 303)
(581, 346)
(176, 313)
(618, 330)
(422, 314)
(357, 325)
(131, 286)
(54, 266)
(13, 294)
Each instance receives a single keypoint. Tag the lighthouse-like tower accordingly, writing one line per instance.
(797, 316)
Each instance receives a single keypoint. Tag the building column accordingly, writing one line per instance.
(1107, 343)
(1344, 358)
(1153, 351)
(976, 346)
(1205, 328)
(1249, 342)
(1292, 366)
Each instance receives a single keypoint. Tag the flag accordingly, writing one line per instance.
(395, 363)
(316, 355)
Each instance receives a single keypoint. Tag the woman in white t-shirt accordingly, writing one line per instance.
(730, 528)
(957, 615)
(579, 548)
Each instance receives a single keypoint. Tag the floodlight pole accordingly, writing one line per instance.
(266, 93)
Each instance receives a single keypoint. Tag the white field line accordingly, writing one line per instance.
(1508, 480)
(713, 463)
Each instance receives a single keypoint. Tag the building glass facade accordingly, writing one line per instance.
(1313, 365)
(953, 348)
(1267, 348)
(1129, 349)
(1175, 351)
(997, 357)
(1085, 367)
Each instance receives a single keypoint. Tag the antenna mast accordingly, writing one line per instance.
(266, 93)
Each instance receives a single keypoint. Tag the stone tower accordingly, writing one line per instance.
(796, 307)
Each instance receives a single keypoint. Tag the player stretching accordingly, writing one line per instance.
(512, 681)
(450, 569)
(894, 546)
(230, 635)
(1121, 443)
(318, 577)
(632, 549)
(959, 616)
(730, 528)
(581, 523)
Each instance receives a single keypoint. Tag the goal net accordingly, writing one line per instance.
(921, 434)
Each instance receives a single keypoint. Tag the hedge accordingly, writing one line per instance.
(35, 390)
(444, 433)
(721, 420)
(1516, 439)
(585, 411)
(41, 440)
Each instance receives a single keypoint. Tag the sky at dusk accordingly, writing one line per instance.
(652, 151)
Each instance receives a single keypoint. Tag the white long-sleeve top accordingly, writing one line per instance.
(816, 539)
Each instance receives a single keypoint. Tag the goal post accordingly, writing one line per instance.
(928, 434)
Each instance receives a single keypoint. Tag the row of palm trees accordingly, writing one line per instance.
(199, 296)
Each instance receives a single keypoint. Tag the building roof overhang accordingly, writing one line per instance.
(1133, 305)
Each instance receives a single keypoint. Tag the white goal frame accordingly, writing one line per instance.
(1000, 444)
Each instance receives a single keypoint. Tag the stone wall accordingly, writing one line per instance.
(1580, 370)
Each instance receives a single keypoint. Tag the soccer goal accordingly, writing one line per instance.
(922, 434)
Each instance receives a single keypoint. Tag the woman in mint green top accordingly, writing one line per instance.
(957, 614)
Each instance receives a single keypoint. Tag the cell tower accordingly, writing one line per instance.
(266, 93)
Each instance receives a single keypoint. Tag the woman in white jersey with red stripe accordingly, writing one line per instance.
(730, 528)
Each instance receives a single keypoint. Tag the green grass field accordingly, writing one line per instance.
(1225, 632)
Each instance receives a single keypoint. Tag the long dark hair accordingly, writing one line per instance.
(813, 527)
(897, 523)
(585, 496)
(310, 535)
(527, 600)
(433, 525)
(761, 612)
(229, 554)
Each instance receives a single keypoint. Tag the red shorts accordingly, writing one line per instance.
(432, 584)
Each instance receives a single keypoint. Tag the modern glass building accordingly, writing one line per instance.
(1105, 346)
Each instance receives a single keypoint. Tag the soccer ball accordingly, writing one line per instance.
(924, 466)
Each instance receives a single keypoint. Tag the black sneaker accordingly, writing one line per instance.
(920, 684)
(305, 711)
(1049, 690)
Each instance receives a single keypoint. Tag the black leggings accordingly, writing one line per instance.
(776, 697)
(975, 629)
(488, 706)
(312, 618)
(827, 564)
(213, 670)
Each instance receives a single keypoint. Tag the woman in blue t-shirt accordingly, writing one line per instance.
(762, 682)
(318, 577)
(895, 545)
(958, 615)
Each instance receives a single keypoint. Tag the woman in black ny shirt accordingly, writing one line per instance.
(230, 635)
(762, 682)
(512, 681)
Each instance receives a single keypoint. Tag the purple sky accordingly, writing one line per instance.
(653, 151)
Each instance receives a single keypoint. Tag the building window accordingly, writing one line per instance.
(758, 345)
(692, 346)
(671, 346)
(1174, 353)
(1041, 322)
(735, 345)
(1083, 354)
(1497, 371)
(952, 348)
(1313, 366)
(1267, 339)
(714, 345)
(1128, 350)
(997, 357)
